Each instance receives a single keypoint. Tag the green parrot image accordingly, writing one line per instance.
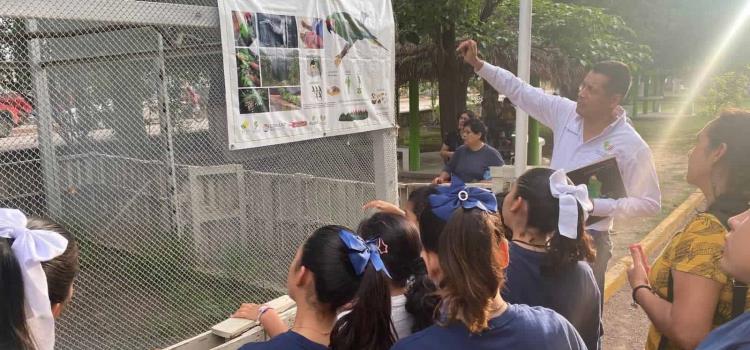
(350, 30)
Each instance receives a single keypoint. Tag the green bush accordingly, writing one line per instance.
(727, 90)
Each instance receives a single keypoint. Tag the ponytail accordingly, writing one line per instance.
(544, 215)
(14, 334)
(473, 273)
(421, 297)
(368, 326)
(563, 251)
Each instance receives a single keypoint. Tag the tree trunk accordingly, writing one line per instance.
(453, 79)
(489, 101)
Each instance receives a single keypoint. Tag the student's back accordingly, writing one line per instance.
(569, 293)
(519, 327)
(287, 340)
(550, 250)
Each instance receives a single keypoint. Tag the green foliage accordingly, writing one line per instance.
(12, 77)
(290, 97)
(585, 33)
(727, 90)
(682, 33)
(416, 20)
(588, 34)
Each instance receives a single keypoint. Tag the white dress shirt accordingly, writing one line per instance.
(571, 152)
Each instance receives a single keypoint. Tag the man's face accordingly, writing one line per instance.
(594, 101)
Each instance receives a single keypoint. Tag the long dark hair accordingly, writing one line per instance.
(60, 273)
(430, 226)
(326, 256)
(471, 260)
(14, 334)
(369, 325)
(544, 214)
(730, 128)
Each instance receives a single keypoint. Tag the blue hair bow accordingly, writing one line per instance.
(457, 195)
(361, 252)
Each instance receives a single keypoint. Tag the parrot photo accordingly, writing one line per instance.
(350, 30)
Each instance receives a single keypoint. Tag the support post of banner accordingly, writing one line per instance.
(384, 155)
(524, 72)
(414, 125)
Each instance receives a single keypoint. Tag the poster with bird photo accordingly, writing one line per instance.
(298, 70)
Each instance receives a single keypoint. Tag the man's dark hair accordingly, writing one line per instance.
(618, 74)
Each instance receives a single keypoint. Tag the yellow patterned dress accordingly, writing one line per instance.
(696, 250)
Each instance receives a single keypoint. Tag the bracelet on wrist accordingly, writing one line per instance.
(262, 310)
(635, 291)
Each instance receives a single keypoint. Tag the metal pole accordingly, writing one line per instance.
(524, 72)
(414, 125)
(166, 133)
(45, 135)
(534, 155)
(634, 92)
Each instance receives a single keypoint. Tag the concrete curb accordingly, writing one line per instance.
(617, 274)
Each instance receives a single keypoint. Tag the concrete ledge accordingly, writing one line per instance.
(617, 274)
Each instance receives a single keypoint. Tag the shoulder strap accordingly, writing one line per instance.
(739, 298)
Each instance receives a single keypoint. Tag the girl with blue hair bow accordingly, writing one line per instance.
(395, 301)
(466, 253)
(323, 277)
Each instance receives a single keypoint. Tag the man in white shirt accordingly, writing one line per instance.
(591, 129)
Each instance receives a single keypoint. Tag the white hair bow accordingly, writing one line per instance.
(569, 195)
(31, 247)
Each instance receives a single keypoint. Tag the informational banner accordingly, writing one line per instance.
(303, 69)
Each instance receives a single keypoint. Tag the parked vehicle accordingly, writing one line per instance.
(14, 111)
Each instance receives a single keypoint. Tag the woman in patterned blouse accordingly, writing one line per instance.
(686, 295)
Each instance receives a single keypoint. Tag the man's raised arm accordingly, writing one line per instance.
(550, 110)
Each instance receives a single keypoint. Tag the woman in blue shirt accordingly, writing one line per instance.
(472, 161)
(466, 260)
(550, 252)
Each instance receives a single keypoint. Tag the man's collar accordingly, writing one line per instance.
(620, 115)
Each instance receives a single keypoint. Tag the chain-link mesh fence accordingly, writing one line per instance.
(125, 143)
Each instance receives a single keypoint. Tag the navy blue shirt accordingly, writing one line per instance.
(573, 293)
(734, 335)
(473, 166)
(519, 327)
(285, 341)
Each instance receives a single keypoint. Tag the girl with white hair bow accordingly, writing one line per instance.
(38, 262)
(550, 252)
